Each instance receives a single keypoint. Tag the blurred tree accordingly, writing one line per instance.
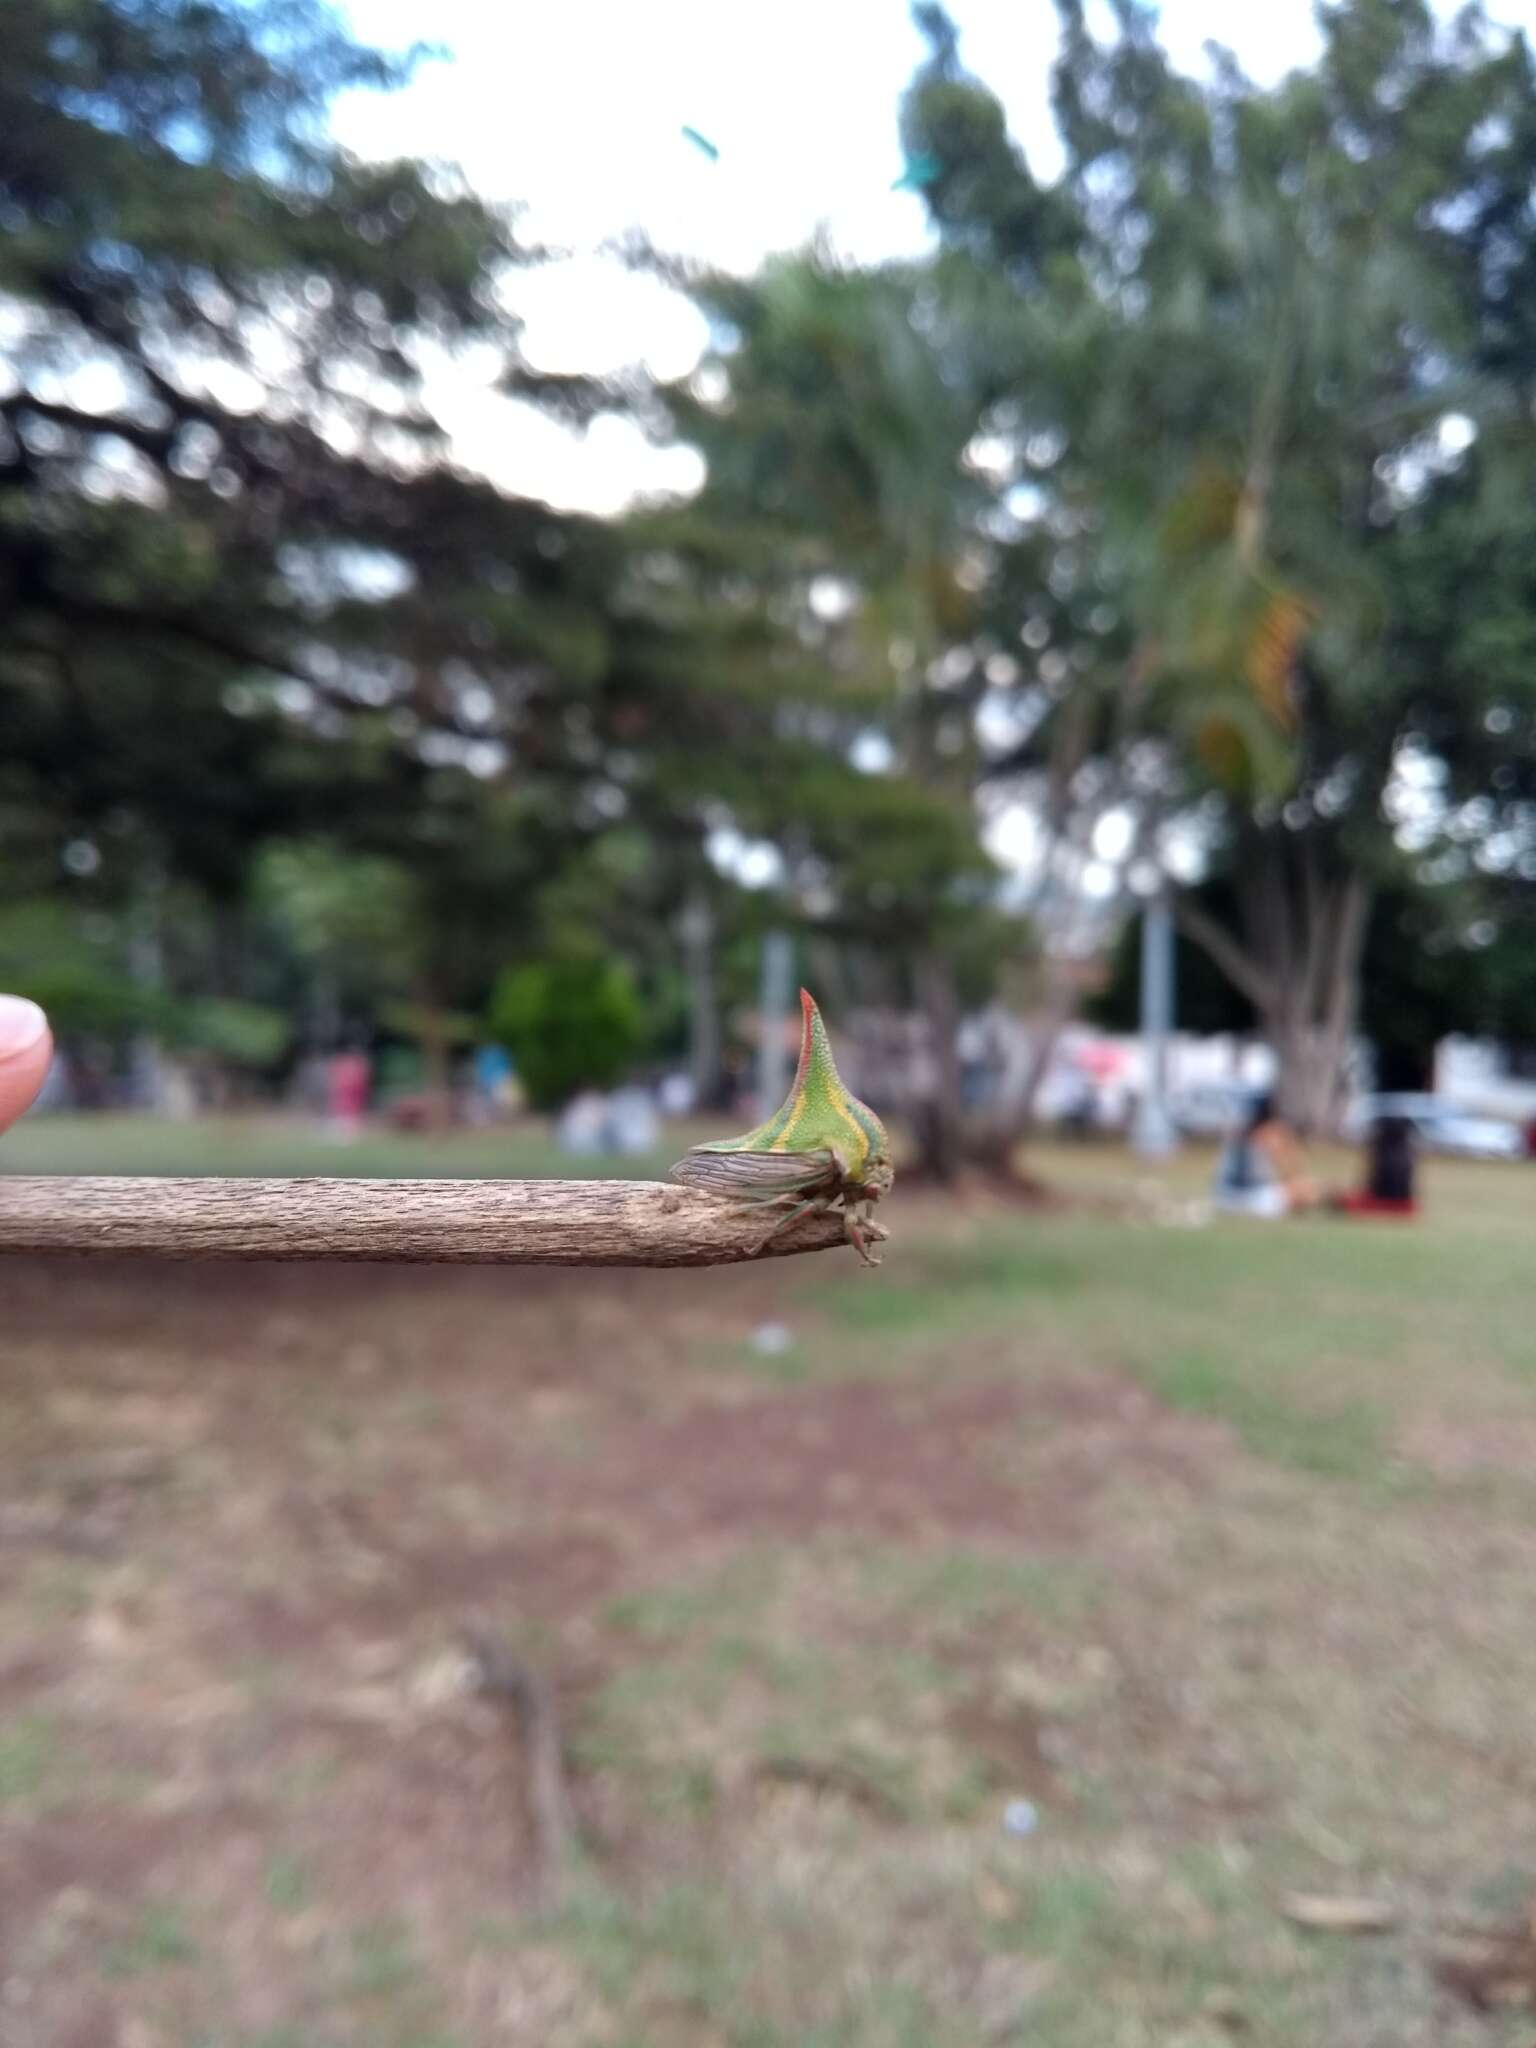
(1456, 958)
(1439, 958)
(73, 964)
(246, 596)
(570, 1023)
(351, 922)
(1453, 957)
(214, 417)
(1184, 496)
(846, 417)
(215, 461)
(1285, 331)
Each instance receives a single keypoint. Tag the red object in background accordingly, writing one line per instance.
(1375, 1205)
(347, 1082)
(1099, 1062)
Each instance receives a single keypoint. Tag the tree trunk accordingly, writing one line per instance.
(704, 1036)
(1006, 1128)
(1317, 1011)
(1308, 1077)
(436, 1065)
(324, 1007)
(146, 968)
(1298, 962)
(227, 951)
(1341, 996)
(953, 1142)
(1289, 1040)
(939, 1116)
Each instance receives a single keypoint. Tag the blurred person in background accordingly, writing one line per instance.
(495, 1088)
(1262, 1169)
(26, 1052)
(349, 1082)
(677, 1095)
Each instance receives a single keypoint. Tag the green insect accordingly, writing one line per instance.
(822, 1150)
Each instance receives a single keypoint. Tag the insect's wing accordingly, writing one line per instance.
(756, 1176)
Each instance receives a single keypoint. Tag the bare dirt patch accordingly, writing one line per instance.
(1461, 1447)
(248, 1510)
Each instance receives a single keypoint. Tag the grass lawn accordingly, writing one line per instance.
(1203, 1553)
(68, 1143)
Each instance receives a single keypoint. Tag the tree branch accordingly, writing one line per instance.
(1317, 928)
(1225, 951)
(455, 1222)
(1349, 944)
(204, 634)
(149, 440)
(107, 322)
(213, 637)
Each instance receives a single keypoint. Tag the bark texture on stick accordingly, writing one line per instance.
(459, 1222)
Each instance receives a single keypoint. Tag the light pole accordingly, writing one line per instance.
(1153, 1135)
(696, 927)
(775, 990)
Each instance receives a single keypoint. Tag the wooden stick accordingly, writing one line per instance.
(459, 1222)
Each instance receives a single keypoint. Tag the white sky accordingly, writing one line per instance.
(575, 109)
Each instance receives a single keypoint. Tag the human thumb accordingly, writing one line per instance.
(26, 1050)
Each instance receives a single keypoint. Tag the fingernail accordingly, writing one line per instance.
(22, 1024)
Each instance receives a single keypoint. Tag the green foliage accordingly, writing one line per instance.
(1277, 371)
(1458, 957)
(241, 1034)
(172, 201)
(70, 960)
(239, 610)
(73, 966)
(348, 909)
(1194, 479)
(843, 468)
(569, 1023)
(414, 1020)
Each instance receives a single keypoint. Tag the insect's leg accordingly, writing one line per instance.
(813, 1203)
(762, 1205)
(855, 1229)
(864, 1211)
(878, 1231)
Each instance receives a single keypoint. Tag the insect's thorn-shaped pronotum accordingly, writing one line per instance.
(822, 1148)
